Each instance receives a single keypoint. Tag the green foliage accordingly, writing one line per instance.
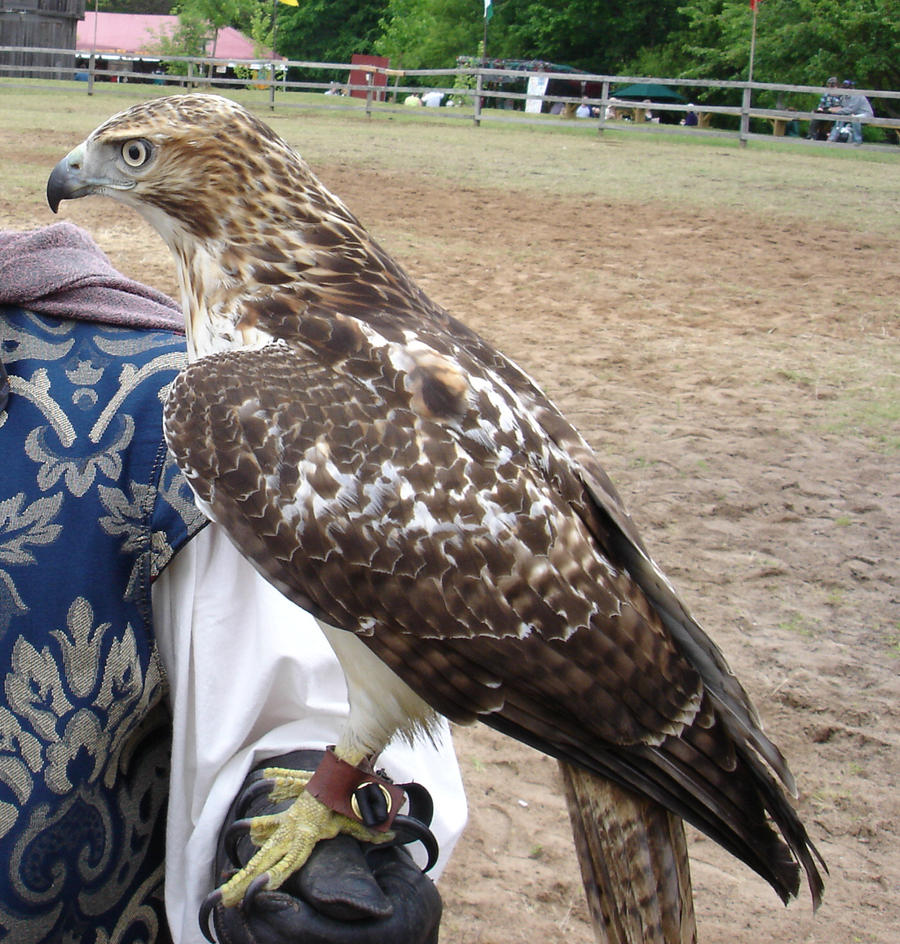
(220, 13)
(799, 42)
(586, 34)
(716, 40)
(189, 38)
(329, 30)
(260, 27)
(597, 37)
(466, 83)
(199, 22)
(423, 34)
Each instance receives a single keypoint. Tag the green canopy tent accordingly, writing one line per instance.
(647, 90)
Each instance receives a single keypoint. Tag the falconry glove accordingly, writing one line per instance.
(348, 892)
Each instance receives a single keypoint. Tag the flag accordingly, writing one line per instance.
(290, 3)
(488, 9)
(753, 3)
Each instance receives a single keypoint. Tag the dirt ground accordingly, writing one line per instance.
(740, 394)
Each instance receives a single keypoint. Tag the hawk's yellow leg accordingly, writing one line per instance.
(286, 839)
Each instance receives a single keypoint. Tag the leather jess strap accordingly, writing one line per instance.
(355, 792)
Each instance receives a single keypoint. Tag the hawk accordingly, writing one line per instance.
(391, 472)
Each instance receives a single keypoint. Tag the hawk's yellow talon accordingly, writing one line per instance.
(286, 840)
(287, 783)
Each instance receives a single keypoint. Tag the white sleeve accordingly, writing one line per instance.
(251, 676)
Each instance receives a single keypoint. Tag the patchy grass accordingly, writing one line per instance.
(867, 402)
(801, 625)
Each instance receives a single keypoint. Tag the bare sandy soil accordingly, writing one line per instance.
(742, 393)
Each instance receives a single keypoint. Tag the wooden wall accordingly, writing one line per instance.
(50, 24)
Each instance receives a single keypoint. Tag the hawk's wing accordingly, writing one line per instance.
(448, 530)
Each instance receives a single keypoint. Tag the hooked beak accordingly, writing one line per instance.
(73, 178)
(67, 181)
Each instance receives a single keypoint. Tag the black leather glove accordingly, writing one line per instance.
(348, 892)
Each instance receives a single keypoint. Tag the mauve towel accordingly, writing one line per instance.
(59, 270)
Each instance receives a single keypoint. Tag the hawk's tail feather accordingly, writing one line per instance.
(710, 775)
(734, 809)
(634, 863)
(739, 816)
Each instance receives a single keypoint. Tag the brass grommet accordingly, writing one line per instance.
(354, 803)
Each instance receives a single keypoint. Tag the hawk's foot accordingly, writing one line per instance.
(286, 839)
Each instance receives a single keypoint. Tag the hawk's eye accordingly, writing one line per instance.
(136, 153)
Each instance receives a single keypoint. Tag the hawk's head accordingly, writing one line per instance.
(191, 164)
(256, 237)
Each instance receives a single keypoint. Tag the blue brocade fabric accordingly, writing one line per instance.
(92, 508)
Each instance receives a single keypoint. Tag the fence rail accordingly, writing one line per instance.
(476, 94)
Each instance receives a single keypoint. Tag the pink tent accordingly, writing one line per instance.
(131, 35)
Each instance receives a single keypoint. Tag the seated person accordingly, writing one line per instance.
(818, 129)
(852, 103)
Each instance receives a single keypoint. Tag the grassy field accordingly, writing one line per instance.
(849, 187)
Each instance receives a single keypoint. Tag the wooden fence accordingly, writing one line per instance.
(470, 94)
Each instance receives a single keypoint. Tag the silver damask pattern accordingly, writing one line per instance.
(92, 508)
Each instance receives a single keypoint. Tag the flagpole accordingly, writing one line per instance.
(753, 5)
(745, 98)
(274, 25)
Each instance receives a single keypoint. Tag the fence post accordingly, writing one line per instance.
(190, 75)
(745, 116)
(369, 87)
(477, 114)
(604, 98)
(272, 87)
(93, 59)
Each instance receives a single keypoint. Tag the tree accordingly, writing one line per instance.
(261, 27)
(188, 38)
(430, 34)
(218, 14)
(199, 22)
(590, 35)
(329, 30)
(595, 36)
(800, 42)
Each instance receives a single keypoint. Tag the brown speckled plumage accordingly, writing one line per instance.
(393, 473)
